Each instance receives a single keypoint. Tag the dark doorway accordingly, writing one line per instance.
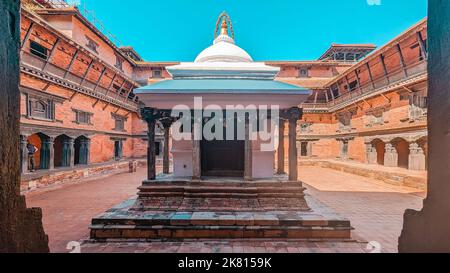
(62, 151)
(223, 158)
(118, 149)
(304, 149)
(81, 151)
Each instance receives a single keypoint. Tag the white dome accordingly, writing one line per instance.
(223, 50)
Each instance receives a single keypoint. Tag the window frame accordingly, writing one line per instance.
(36, 52)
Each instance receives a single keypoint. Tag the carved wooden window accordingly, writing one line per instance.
(92, 45)
(303, 72)
(119, 122)
(156, 73)
(82, 117)
(38, 50)
(41, 108)
(119, 62)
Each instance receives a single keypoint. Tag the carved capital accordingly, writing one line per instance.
(149, 114)
(292, 114)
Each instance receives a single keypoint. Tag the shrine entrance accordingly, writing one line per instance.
(223, 158)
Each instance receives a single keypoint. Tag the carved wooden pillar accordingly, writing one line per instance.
(293, 115)
(150, 116)
(166, 123)
(88, 151)
(280, 154)
(72, 152)
(248, 165)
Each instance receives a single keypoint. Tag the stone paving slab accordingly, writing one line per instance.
(226, 246)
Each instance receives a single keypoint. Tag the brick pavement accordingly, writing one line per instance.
(375, 209)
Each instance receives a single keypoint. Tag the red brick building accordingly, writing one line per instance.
(78, 107)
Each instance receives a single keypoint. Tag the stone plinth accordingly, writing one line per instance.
(220, 208)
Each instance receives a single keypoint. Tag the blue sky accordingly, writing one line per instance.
(177, 30)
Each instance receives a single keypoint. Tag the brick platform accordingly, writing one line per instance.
(220, 209)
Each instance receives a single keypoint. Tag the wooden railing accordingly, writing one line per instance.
(396, 75)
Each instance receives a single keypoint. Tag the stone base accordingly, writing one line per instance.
(221, 195)
(176, 209)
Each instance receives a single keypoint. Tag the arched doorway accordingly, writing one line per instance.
(63, 151)
(380, 147)
(82, 145)
(41, 157)
(402, 147)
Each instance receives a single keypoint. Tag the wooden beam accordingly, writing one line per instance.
(129, 93)
(402, 60)
(27, 35)
(386, 98)
(315, 96)
(326, 95)
(120, 89)
(407, 89)
(75, 55)
(423, 48)
(100, 79)
(73, 95)
(367, 102)
(358, 81)
(386, 74)
(52, 52)
(87, 71)
(370, 75)
(111, 84)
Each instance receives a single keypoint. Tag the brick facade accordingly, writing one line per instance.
(77, 96)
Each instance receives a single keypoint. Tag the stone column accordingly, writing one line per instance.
(280, 154)
(150, 116)
(166, 123)
(293, 115)
(47, 154)
(72, 152)
(248, 167)
(24, 154)
(428, 230)
(196, 145)
(416, 158)
(371, 154)
(390, 156)
(88, 151)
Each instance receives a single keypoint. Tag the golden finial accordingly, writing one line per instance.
(227, 26)
(224, 30)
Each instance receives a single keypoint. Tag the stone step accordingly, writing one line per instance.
(221, 225)
(250, 184)
(220, 191)
(102, 233)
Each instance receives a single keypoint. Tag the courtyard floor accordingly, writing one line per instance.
(374, 208)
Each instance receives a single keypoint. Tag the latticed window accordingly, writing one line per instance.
(119, 122)
(40, 108)
(82, 117)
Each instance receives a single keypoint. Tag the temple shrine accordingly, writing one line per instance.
(222, 187)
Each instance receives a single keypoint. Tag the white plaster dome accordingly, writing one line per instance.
(223, 50)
